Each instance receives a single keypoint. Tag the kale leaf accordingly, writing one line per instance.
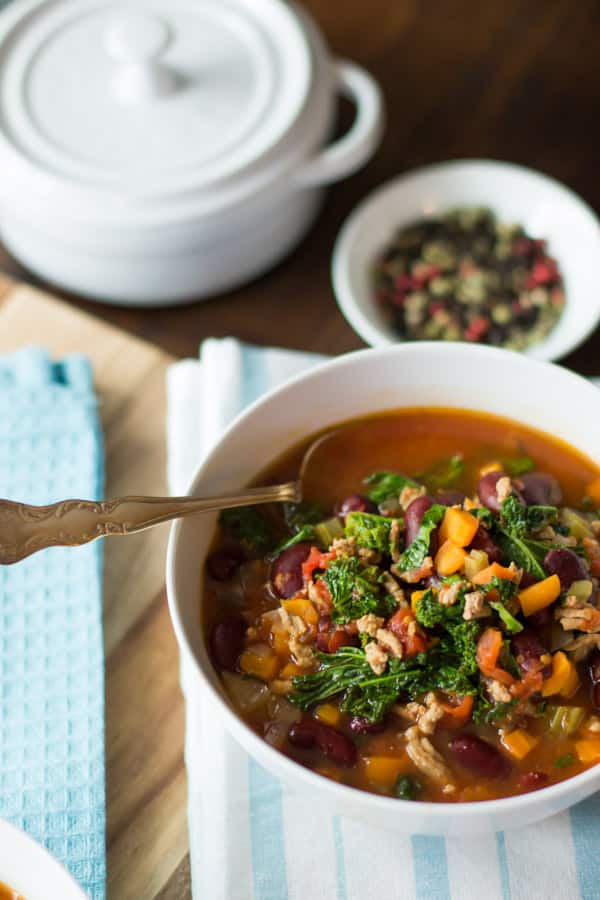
(297, 515)
(306, 533)
(415, 553)
(369, 530)
(355, 590)
(444, 473)
(387, 484)
(520, 521)
(526, 554)
(430, 613)
(489, 713)
(506, 590)
(518, 465)
(247, 524)
(408, 788)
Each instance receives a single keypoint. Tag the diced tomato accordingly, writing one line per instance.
(488, 652)
(404, 625)
(316, 560)
(457, 711)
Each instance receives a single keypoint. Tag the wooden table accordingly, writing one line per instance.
(515, 80)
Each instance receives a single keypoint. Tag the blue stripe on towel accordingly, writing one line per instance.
(431, 868)
(503, 865)
(584, 828)
(340, 863)
(266, 834)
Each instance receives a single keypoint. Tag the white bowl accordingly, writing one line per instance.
(408, 375)
(31, 871)
(542, 205)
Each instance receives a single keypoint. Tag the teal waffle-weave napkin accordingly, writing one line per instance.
(51, 656)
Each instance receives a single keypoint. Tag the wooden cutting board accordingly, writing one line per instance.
(146, 786)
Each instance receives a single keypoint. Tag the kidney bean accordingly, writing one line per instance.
(567, 565)
(528, 650)
(413, 517)
(227, 640)
(224, 562)
(361, 725)
(480, 757)
(540, 488)
(449, 497)
(332, 743)
(286, 570)
(483, 541)
(596, 696)
(486, 489)
(533, 781)
(527, 579)
(542, 617)
(354, 503)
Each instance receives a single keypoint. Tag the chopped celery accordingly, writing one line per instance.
(576, 523)
(475, 562)
(328, 530)
(565, 719)
(581, 589)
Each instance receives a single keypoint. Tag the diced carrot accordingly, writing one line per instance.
(493, 466)
(456, 714)
(494, 571)
(259, 660)
(519, 742)
(539, 595)
(384, 770)
(564, 679)
(414, 600)
(458, 526)
(291, 669)
(593, 490)
(303, 608)
(449, 558)
(588, 749)
(329, 714)
(316, 560)
(280, 641)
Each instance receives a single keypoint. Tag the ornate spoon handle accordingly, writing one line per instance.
(26, 529)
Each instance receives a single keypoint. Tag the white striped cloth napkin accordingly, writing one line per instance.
(250, 838)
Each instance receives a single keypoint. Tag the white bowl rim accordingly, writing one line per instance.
(362, 323)
(34, 853)
(258, 747)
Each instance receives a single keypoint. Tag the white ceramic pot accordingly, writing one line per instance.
(426, 374)
(31, 871)
(170, 150)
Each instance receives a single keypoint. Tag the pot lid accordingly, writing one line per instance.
(149, 98)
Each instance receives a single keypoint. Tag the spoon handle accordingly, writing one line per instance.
(26, 529)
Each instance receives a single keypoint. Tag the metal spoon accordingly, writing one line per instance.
(25, 529)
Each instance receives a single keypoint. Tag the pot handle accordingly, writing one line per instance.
(356, 147)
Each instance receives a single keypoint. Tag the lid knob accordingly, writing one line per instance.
(137, 42)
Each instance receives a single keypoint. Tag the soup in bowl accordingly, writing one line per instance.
(416, 642)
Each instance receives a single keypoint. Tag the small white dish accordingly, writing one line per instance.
(31, 871)
(545, 208)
